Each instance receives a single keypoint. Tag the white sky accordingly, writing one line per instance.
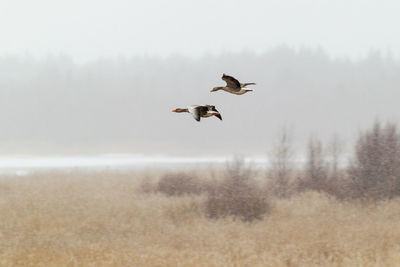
(89, 29)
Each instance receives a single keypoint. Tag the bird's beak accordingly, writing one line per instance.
(174, 110)
(248, 90)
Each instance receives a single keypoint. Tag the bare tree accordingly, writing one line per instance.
(316, 171)
(281, 164)
(375, 169)
(335, 151)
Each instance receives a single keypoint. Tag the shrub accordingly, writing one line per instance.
(375, 169)
(316, 170)
(178, 184)
(146, 185)
(237, 195)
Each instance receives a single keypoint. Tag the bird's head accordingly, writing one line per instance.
(179, 110)
(216, 88)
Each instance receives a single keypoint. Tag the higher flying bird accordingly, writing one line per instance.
(233, 86)
(200, 111)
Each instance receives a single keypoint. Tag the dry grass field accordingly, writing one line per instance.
(83, 219)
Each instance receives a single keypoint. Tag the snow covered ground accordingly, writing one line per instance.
(23, 165)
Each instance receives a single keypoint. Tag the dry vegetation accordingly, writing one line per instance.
(80, 219)
(321, 215)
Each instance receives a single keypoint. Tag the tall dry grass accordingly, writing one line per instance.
(99, 220)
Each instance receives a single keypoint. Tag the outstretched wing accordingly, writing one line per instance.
(231, 82)
(245, 84)
(203, 110)
(218, 116)
(196, 114)
(214, 112)
(211, 108)
(195, 111)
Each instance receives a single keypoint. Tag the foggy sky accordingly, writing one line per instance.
(89, 29)
(103, 76)
(54, 105)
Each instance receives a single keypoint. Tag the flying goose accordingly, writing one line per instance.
(200, 111)
(233, 86)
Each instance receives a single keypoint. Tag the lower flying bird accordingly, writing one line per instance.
(200, 111)
(233, 86)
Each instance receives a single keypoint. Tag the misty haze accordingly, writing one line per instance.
(53, 105)
(101, 163)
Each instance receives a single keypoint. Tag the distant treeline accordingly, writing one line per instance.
(120, 105)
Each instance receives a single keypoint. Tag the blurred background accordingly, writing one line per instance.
(95, 169)
(90, 77)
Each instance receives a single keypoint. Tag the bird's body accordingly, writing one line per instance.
(233, 91)
(200, 111)
(233, 86)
